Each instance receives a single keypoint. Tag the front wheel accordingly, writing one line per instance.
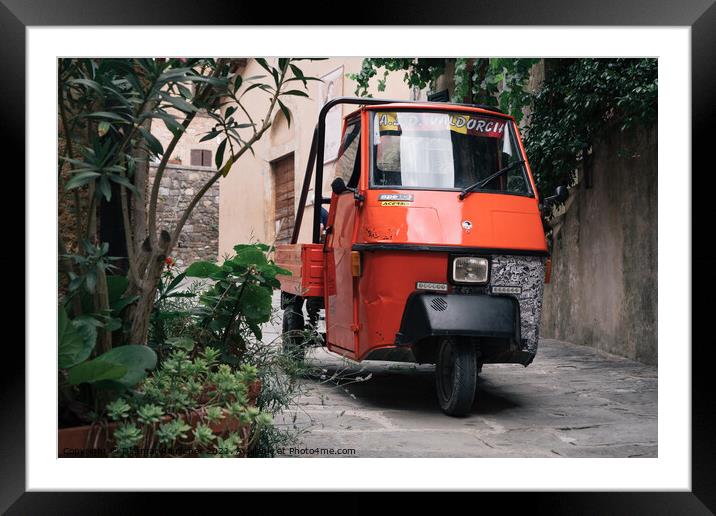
(456, 376)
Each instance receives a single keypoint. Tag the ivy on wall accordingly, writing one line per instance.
(578, 100)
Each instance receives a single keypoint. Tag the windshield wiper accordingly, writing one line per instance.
(489, 178)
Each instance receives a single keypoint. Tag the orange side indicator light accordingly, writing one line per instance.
(355, 263)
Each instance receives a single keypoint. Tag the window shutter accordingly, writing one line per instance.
(200, 158)
(206, 158)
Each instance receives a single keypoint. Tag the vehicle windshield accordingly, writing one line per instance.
(446, 151)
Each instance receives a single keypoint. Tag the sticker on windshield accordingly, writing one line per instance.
(473, 125)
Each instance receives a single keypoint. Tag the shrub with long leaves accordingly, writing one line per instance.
(238, 299)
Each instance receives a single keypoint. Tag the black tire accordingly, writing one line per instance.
(293, 326)
(313, 307)
(456, 376)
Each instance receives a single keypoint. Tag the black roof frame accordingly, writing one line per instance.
(316, 154)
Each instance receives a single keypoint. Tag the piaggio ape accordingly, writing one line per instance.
(434, 249)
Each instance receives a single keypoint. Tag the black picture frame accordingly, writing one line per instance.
(699, 15)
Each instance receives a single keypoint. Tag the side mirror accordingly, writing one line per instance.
(339, 186)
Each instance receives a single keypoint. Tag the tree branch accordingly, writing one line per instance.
(129, 239)
(197, 197)
(152, 217)
(167, 154)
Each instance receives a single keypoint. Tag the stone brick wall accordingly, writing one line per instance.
(200, 237)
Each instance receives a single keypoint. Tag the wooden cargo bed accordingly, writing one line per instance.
(305, 261)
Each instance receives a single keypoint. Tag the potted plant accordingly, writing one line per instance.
(188, 407)
(94, 363)
(84, 381)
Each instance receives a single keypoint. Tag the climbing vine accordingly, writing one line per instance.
(495, 82)
(578, 100)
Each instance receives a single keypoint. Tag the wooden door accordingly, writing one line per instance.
(284, 191)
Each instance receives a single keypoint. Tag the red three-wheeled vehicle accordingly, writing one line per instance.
(434, 249)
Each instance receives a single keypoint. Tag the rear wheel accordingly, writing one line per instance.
(313, 308)
(456, 376)
(293, 326)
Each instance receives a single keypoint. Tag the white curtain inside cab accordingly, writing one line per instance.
(426, 158)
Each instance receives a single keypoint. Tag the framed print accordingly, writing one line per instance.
(541, 204)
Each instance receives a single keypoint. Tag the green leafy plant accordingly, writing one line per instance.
(171, 432)
(118, 410)
(89, 265)
(127, 436)
(189, 406)
(118, 369)
(238, 299)
(578, 100)
(93, 364)
(106, 110)
(171, 321)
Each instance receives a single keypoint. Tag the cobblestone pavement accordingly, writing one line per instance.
(570, 402)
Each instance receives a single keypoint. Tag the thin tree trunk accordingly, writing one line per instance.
(139, 201)
(102, 303)
(139, 331)
(66, 266)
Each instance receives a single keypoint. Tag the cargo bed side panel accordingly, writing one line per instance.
(305, 261)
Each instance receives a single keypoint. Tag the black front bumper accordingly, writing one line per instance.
(429, 314)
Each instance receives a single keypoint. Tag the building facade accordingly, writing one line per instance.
(259, 197)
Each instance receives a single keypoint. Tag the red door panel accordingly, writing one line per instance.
(340, 294)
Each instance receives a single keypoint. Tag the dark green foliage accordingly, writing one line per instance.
(578, 100)
(151, 416)
(238, 301)
(120, 368)
(115, 370)
(171, 320)
(418, 72)
(88, 265)
(493, 82)
(105, 109)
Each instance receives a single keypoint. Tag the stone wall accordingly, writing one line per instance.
(200, 237)
(603, 291)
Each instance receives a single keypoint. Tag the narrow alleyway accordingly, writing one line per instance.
(571, 402)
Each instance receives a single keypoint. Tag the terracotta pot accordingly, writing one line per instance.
(93, 440)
